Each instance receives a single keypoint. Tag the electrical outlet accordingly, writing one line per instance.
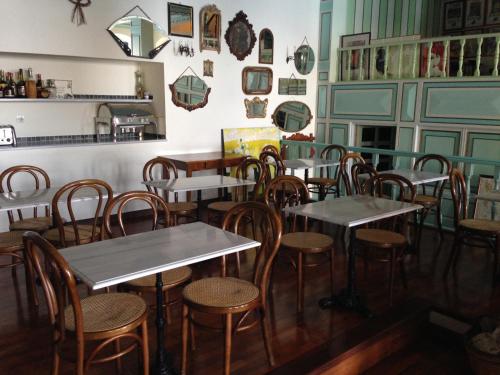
(20, 118)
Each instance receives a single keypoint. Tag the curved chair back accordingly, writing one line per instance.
(41, 180)
(270, 231)
(458, 189)
(330, 152)
(250, 168)
(439, 164)
(273, 163)
(361, 182)
(350, 157)
(102, 192)
(168, 171)
(155, 202)
(271, 148)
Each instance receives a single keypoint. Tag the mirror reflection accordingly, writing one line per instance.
(266, 45)
(256, 80)
(137, 35)
(190, 92)
(256, 108)
(292, 116)
(304, 59)
(210, 28)
(240, 36)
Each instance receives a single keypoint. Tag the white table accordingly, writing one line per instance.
(418, 177)
(306, 164)
(110, 262)
(351, 212)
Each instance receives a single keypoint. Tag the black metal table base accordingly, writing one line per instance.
(346, 301)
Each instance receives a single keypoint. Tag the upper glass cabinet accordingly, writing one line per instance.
(137, 35)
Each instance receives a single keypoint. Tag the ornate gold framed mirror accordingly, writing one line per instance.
(210, 29)
(256, 108)
(256, 80)
(292, 116)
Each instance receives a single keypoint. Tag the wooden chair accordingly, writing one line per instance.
(169, 170)
(171, 279)
(11, 246)
(326, 183)
(388, 242)
(271, 148)
(274, 165)
(228, 296)
(349, 158)
(299, 243)
(470, 232)
(103, 319)
(41, 180)
(361, 184)
(72, 234)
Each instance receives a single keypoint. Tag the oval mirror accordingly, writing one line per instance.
(210, 28)
(240, 36)
(266, 47)
(292, 116)
(304, 59)
(137, 35)
(257, 80)
(189, 92)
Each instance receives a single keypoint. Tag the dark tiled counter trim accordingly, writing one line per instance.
(80, 139)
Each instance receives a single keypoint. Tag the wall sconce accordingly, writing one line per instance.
(182, 49)
(288, 57)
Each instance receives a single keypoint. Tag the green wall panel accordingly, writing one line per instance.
(323, 76)
(405, 143)
(324, 40)
(321, 133)
(408, 102)
(322, 101)
(339, 134)
(440, 142)
(483, 146)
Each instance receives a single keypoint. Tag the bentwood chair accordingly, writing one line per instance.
(271, 148)
(234, 297)
(11, 246)
(290, 191)
(349, 158)
(362, 175)
(41, 181)
(73, 233)
(388, 241)
(169, 171)
(327, 182)
(146, 285)
(470, 232)
(107, 319)
(273, 163)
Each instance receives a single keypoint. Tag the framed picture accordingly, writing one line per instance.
(180, 20)
(453, 15)
(208, 68)
(436, 56)
(492, 12)
(474, 13)
(355, 40)
(484, 209)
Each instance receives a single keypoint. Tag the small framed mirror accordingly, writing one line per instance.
(240, 36)
(137, 35)
(256, 108)
(292, 116)
(189, 92)
(257, 80)
(210, 28)
(304, 59)
(266, 46)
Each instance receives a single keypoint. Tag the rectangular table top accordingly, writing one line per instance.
(198, 183)
(309, 163)
(492, 196)
(202, 156)
(110, 262)
(354, 210)
(418, 177)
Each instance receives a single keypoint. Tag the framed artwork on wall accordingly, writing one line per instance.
(180, 20)
(474, 13)
(355, 63)
(492, 12)
(453, 15)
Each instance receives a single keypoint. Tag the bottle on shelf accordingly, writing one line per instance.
(39, 85)
(10, 90)
(139, 87)
(3, 83)
(31, 91)
(21, 85)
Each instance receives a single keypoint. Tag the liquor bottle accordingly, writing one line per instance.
(30, 85)
(139, 88)
(3, 83)
(10, 90)
(39, 85)
(21, 85)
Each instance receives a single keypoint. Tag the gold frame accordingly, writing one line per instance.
(257, 101)
(212, 9)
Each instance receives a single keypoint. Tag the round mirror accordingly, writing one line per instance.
(304, 59)
(190, 92)
(292, 116)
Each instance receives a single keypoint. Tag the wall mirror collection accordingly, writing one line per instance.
(257, 80)
(266, 46)
(256, 108)
(189, 92)
(292, 116)
(137, 35)
(210, 29)
(240, 36)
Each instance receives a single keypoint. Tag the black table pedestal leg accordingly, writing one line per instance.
(198, 209)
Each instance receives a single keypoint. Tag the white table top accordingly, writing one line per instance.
(110, 262)
(198, 183)
(309, 163)
(41, 197)
(353, 210)
(418, 177)
(492, 196)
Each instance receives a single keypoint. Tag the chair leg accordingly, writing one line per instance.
(496, 250)
(439, 221)
(391, 275)
(423, 215)
(453, 254)
(13, 269)
(402, 271)
(145, 348)
(118, 361)
(300, 282)
(332, 270)
(30, 283)
(185, 328)
(228, 333)
(267, 339)
(56, 363)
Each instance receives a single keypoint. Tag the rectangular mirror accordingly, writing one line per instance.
(292, 86)
(257, 80)
(210, 28)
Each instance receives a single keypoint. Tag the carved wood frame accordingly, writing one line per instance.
(240, 17)
(189, 107)
(213, 9)
(244, 74)
(275, 122)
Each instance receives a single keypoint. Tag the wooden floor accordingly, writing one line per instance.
(24, 339)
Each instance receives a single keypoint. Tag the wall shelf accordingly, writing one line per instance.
(20, 100)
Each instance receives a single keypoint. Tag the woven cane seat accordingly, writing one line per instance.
(36, 224)
(106, 312)
(424, 200)
(380, 237)
(11, 241)
(322, 181)
(176, 207)
(482, 225)
(307, 241)
(172, 277)
(85, 232)
(222, 206)
(221, 292)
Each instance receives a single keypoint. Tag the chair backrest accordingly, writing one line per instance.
(269, 235)
(361, 182)
(103, 192)
(458, 189)
(273, 163)
(155, 202)
(250, 168)
(57, 281)
(168, 170)
(41, 180)
(436, 163)
(271, 148)
(330, 152)
(352, 157)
